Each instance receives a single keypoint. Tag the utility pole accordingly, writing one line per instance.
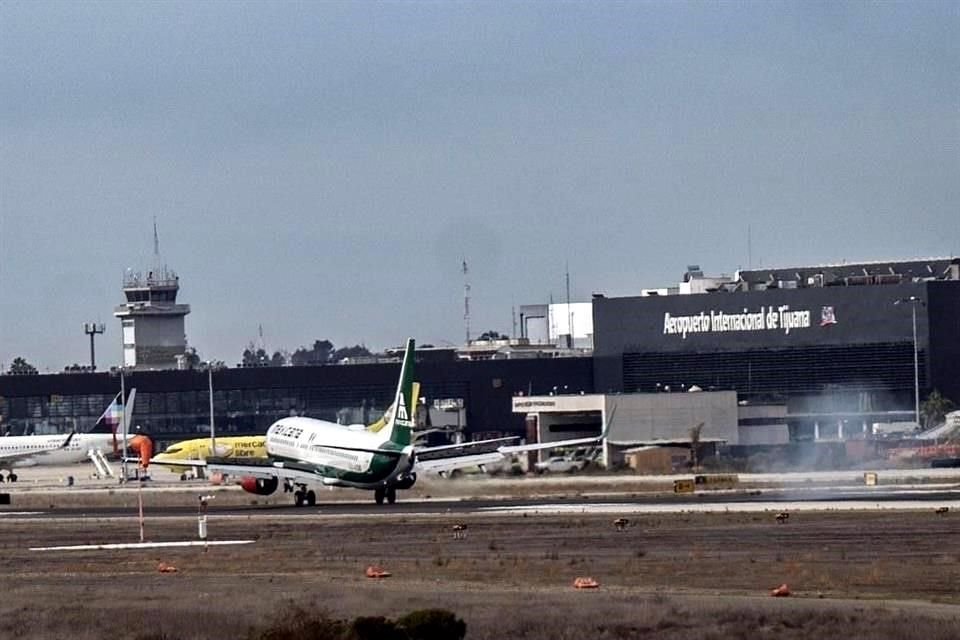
(466, 300)
(123, 424)
(92, 329)
(914, 300)
(569, 313)
(213, 437)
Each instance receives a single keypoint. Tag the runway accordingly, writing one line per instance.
(42, 494)
(864, 498)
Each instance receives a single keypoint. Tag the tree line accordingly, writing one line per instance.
(322, 352)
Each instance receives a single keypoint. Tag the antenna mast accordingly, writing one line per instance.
(466, 300)
(569, 312)
(157, 265)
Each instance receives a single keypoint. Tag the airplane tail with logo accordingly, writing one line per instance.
(399, 424)
(378, 425)
(109, 420)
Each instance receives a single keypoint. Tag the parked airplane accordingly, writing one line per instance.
(305, 452)
(61, 449)
(199, 449)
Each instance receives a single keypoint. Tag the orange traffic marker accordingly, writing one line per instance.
(585, 583)
(782, 591)
(373, 571)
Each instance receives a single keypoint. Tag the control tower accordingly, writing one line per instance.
(152, 321)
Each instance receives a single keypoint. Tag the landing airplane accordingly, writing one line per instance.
(305, 452)
(62, 449)
(239, 446)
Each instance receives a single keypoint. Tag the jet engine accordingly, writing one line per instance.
(259, 486)
(405, 481)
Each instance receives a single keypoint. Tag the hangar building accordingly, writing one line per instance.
(632, 419)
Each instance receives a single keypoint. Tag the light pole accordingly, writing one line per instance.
(213, 437)
(92, 329)
(914, 300)
(123, 425)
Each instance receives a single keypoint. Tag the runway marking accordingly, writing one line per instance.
(142, 545)
(20, 513)
(724, 507)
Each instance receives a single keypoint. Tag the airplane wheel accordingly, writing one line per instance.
(183, 477)
(12, 477)
(311, 499)
(1, 477)
(391, 495)
(379, 495)
(299, 498)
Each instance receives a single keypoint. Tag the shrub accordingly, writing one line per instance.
(299, 623)
(374, 628)
(433, 624)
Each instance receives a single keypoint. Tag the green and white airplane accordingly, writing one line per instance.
(306, 452)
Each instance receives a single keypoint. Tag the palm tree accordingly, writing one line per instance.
(935, 408)
(695, 446)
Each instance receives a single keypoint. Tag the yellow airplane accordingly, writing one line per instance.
(199, 449)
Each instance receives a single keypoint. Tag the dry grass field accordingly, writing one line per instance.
(856, 575)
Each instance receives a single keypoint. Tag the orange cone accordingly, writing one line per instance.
(373, 571)
(585, 583)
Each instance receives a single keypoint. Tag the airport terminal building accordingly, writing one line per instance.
(834, 343)
(469, 396)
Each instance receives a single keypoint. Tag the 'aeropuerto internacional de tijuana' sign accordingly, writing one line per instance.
(779, 318)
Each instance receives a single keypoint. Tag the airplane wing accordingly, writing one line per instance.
(471, 454)
(540, 446)
(450, 457)
(443, 465)
(16, 456)
(465, 446)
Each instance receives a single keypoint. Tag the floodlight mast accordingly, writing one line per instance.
(92, 329)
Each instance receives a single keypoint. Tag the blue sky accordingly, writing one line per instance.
(321, 169)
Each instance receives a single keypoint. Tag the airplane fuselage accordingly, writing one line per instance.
(200, 449)
(326, 448)
(74, 452)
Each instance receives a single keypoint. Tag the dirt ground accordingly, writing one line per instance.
(877, 575)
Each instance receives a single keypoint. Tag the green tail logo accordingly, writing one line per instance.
(400, 423)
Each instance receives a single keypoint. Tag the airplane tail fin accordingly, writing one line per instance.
(399, 423)
(378, 425)
(109, 420)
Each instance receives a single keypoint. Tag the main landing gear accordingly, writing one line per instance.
(11, 477)
(388, 493)
(303, 497)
